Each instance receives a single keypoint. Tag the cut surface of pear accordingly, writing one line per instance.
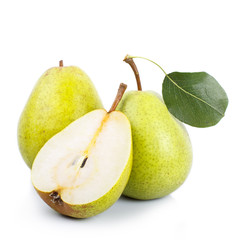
(61, 95)
(83, 170)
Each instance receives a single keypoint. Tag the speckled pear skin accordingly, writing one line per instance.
(162, 152)
(61, 95)
(98, 206)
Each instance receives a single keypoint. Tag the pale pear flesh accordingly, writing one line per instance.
(83, 169)
(61, 95)
(162, 152)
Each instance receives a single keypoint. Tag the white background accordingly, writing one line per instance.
(96, 35)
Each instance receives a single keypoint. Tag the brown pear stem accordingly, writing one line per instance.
(135, 70)
(61, 63)
(122, 88)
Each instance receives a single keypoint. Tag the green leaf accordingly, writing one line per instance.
(195, 98)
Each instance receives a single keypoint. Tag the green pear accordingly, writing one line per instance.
(162, 153)
(82, 170)
(61, 95)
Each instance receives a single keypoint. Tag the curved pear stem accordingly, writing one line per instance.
(61, 63)
(132, 64)
(122, 88)
(131, 57)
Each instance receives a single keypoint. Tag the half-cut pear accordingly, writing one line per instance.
(83, 170)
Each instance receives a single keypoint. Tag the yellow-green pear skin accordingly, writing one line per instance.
(162, 152)
(61, 95)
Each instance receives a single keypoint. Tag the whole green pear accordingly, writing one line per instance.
(162, 153)
(61, 95)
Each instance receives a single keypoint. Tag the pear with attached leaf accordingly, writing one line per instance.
(83, 170)
(61, 95)
(162, 153)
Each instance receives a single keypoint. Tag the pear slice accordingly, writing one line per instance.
(83, 170)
